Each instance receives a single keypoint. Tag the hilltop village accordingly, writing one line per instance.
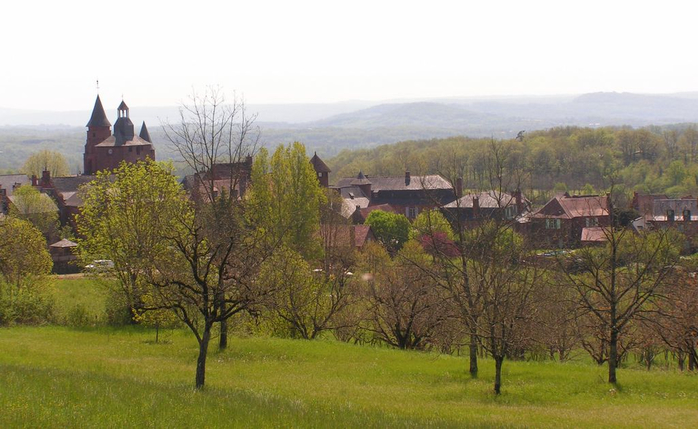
(271, 241)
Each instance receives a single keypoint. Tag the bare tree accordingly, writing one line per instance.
(622, 282)
(216, 139)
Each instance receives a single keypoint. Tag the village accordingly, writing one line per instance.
(564, 222)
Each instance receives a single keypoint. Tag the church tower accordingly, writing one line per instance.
(98, 130)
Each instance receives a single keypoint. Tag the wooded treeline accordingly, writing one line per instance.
(649, 160)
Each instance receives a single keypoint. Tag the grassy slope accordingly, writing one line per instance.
(61, 377)
(54, 376)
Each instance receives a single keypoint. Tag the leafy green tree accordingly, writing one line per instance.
(37, 208)
(123, 219)
(391, 229)
(46, 160)
(23, 252)
(285, 198)
(430, 222)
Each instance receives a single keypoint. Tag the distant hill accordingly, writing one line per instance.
(331, 127)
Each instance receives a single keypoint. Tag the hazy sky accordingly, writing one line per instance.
(153, 52)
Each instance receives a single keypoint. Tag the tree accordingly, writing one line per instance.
(210, 273)
(622, 282)
(286, 197)
(39, 209)
(23, 252)
(406, 308)
(215, 136)
(391, 229)
(46, 160)
(123, 218)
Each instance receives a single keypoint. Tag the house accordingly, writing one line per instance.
(104, 150)
(63, 256)
(322, 170)
(561, 221)
(346, 236)
(472, 209)
(8, 184)
(659, 212)
(234, 178)
(408, 195)
(65, 191)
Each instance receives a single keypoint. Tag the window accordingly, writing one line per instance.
(552, 224)
(592, 221)
(687, 215)
(412, 212)
(670, 215)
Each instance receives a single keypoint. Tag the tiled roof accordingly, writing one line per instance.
(594, 234)
(98, 118)
(8, 181)
(136, 141)
(70, 183)
(319, 164)
(416, 183)
(570, 207)
(64, 243)
(487, 200)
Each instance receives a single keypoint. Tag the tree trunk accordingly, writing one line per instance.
(473, 354)
(613, 356)
(201, 361)
(223, 342)
(498, 361)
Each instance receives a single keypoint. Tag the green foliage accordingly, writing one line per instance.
(430, 222)
(285, 198)
(23, 252)
(391, 229)
(124, 219)
(46, 160)
(37, 208)
(29, 304)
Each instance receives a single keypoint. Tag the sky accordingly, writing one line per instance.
(154, 53)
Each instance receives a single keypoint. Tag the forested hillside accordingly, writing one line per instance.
(653, 159)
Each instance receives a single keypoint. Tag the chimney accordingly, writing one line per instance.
(35, 180)
(459, 187)
(356, 216)
(476, 207)
(46, 179)
(407, 178)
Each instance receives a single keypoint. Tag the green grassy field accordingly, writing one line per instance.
(103, 377)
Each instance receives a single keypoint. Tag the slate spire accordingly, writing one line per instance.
(144, 134)
(98, 118)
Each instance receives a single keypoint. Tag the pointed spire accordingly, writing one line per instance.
(144, 134)
(319, 165)
(360, 180)
(122, 109)
(98, 118)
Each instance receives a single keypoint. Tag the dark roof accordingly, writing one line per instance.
(358, 181)
(98, 118)
(122, 106)
(70, 183)
(678, 206)
(318, 164)
(135, 141)
(123, 131)
(416, 183)
(8, 182)
(144, 134)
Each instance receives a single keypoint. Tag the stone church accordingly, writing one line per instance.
(104, 150)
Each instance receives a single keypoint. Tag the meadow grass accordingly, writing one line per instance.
(62, 377)
(118, 377)
(73, 294)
